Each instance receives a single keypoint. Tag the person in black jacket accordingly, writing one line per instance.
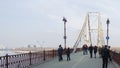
(95, 51)
(68, 54)
(91, 50)
(105, 56)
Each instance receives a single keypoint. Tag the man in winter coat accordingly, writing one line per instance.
(60, 51)
(105, 56)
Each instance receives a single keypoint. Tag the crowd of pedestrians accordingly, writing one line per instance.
(91, 49)
(104, 53)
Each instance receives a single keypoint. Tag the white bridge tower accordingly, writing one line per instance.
(85, 35)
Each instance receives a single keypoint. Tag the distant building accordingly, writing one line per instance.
(2, 47)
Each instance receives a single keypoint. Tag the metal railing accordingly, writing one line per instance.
(27, 59)
(116, 57)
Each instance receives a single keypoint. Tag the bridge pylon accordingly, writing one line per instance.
(86, 35)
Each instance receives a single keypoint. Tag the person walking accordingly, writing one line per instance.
(110, 57)
(105, 56)
(68, 54)
(100, 51)
(60, 51)
(91, 50)
(85, 48)
(95, 51)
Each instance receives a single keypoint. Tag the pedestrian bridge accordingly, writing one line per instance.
(78, 60)
(49, 59)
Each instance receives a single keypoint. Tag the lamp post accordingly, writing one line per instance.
(64, 20)
(107, 37)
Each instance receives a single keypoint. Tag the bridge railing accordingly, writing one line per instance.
(27, 59)
(116, 57)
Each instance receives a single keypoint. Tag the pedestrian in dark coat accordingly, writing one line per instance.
(105, 56)
(100, 51)
(95, 51)
(68, 54)
(60, 51)
(84, 49)
(91, 50)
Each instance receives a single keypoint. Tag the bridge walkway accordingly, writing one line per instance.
(78, 60)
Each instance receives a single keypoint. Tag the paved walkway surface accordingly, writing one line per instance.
(78, 60)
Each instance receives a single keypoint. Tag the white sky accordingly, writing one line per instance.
(24, 22)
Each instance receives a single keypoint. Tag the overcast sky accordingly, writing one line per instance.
(39, 22)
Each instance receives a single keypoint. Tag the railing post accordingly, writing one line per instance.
(44, 55)
(6, 60)
(53, 53)
(30, 58)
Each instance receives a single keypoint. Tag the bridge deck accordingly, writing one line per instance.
(77, 61)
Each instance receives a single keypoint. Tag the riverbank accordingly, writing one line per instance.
(38, 49)
(32, 49)
(116, 49)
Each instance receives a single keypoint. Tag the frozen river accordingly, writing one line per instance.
(4, 52)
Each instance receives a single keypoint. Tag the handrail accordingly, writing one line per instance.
(27, 59)
(116, 57)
